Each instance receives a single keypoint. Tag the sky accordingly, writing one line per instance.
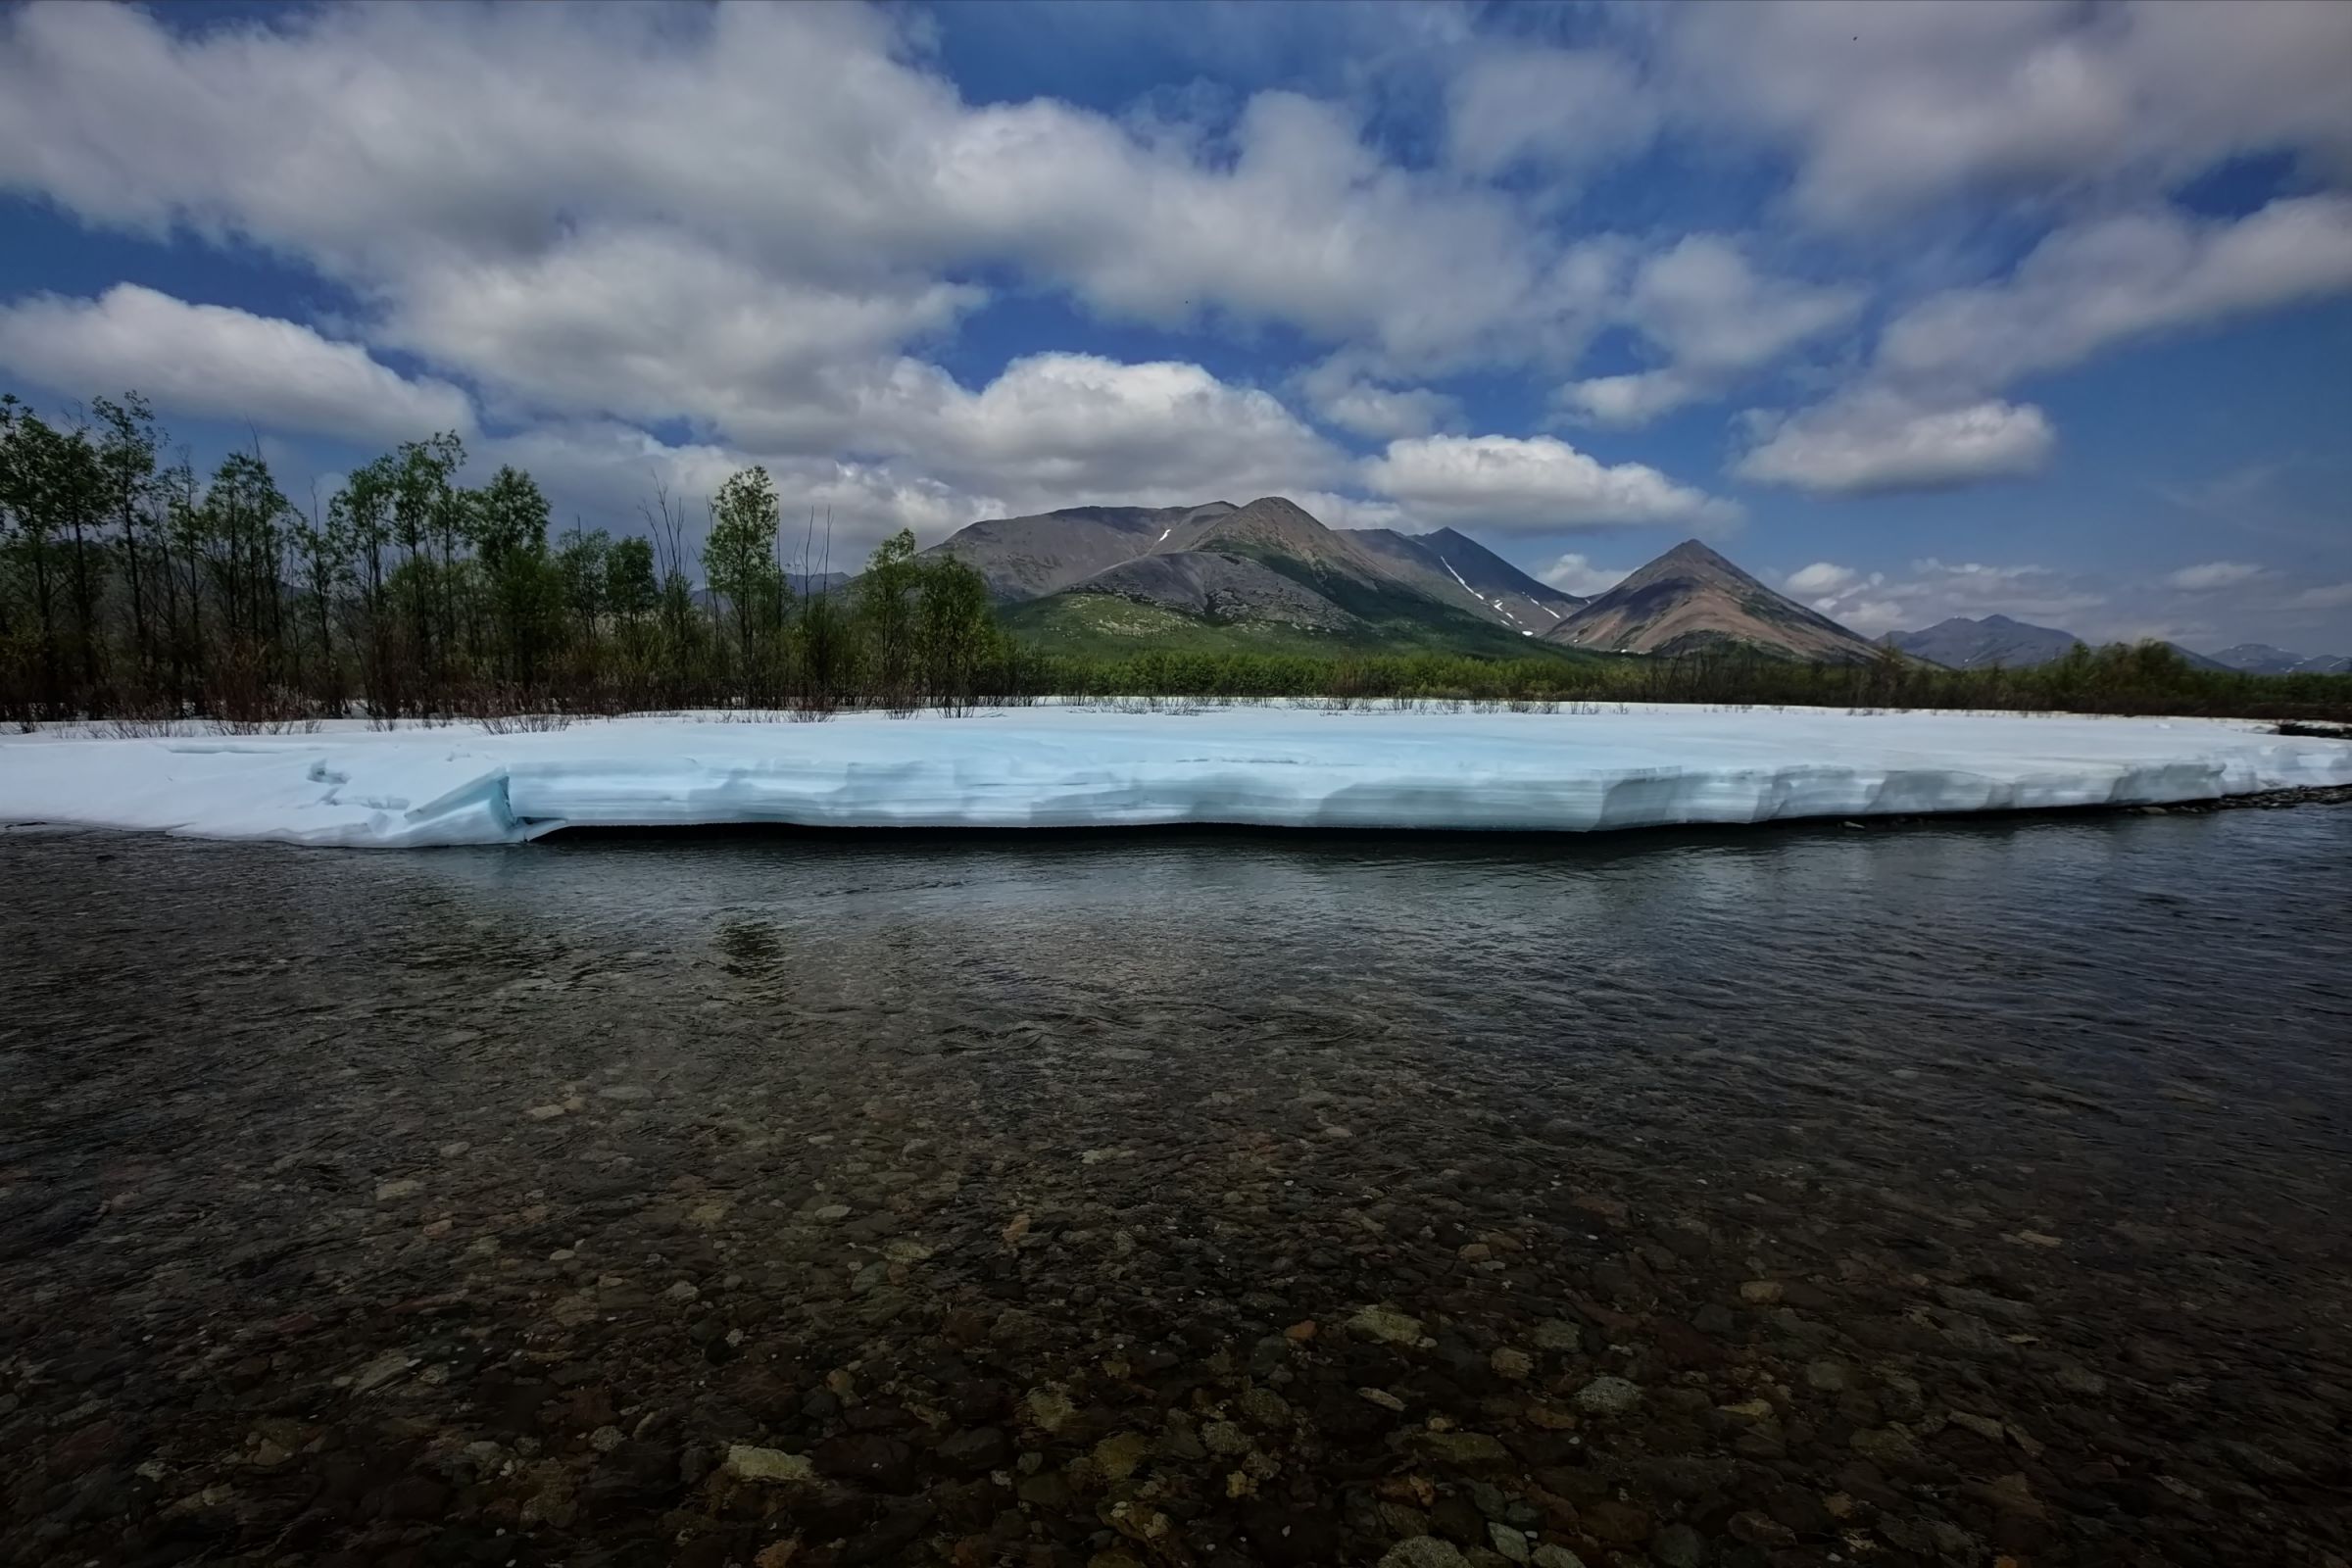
(1915, 311)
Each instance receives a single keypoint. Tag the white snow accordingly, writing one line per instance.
(1164, 535)
(1079, 765)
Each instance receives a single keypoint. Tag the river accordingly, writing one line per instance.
(1925, 1192)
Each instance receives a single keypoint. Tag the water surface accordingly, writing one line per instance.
(1936, 1191)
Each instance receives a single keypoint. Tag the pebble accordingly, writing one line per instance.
(748, 1464)
(1679, 1547)
(1608, 1396)
(1558, 1334)
(1387, 1325)
(1512, 1365)
(1423, 1551)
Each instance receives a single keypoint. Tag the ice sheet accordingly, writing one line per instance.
(1075, 766)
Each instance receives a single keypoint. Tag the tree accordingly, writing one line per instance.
(580, 566)
(956, 631)
(886, 611)
(321, 557)
(739, 559)
(421, 512)
(510, 522)
(629, 587)
(127, 451)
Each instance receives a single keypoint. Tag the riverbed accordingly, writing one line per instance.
(1925, 1193)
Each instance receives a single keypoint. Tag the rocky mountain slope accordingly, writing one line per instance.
(1691, 600)
(1267, 565)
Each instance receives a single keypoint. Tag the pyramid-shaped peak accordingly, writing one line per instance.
(1690, 552)
(1691, 560)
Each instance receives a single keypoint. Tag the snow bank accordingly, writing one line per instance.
(1073, 767)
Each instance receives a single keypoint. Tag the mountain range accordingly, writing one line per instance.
(1963, 644)
(1268, 575)
(2261, 659)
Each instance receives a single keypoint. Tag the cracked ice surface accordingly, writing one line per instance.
(1075, 766)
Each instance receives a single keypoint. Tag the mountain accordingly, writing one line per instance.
(1028, 558)
(1527, 604)
(1692, 599)
(1216, 586)
(1963, 644)
(2261, 659)
(1264, 575)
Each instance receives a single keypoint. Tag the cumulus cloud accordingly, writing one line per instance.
(1344, 396)
(1552, 109)
(1821, 578)
(1920, 104)
(1536, 486)
(649, 323)
(1927, 415)
(2213, 575)
(2094, 284)
(805, 136)
(1577, 574)
(1716, 318)
(1065, 428)
(1871, 442)
(209, 359)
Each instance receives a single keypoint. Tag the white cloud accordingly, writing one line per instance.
(1341, 395)
(1553, 109)
(1869, 442)
(1577, 574)
(1629, 400)
(1716, 318)
(1891, 109)
(1823, 577)
(2333, 596)
(2213, 575)
(2094, 284)
(649, 323)
(1065, 428)
(209, 359)
(1536, 486)
(801, 140)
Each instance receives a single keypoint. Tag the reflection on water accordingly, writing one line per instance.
(1935, 1193)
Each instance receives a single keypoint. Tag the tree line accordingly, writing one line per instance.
(2146, 679)
(132, 585)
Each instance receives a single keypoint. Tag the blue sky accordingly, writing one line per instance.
(1915, 309)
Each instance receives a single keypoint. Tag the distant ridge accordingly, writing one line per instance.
(1963, 644)
(2261, 659)
(1960, 643)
